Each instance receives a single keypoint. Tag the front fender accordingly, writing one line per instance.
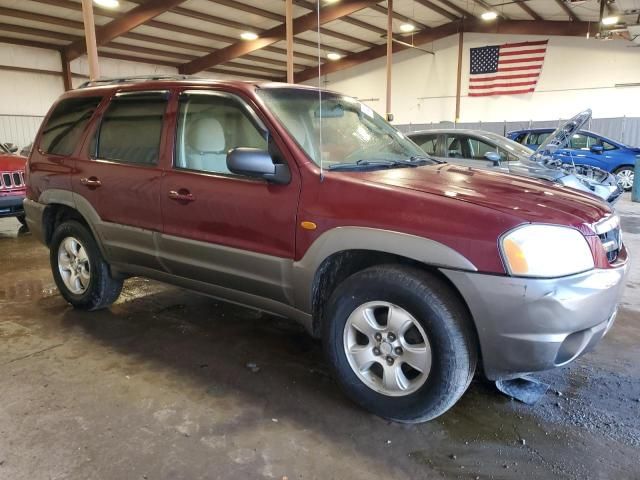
(342, 239)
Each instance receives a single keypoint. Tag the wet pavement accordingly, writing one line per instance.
(168, 384)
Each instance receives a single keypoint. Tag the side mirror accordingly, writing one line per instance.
(597, 148)
(256, 163)
(493, 157)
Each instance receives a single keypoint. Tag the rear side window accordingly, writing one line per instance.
(66, 124)
(131, 128)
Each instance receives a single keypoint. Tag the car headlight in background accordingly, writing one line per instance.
(545, 251)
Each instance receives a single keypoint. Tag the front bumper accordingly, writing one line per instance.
(11, 206)
(526, 325)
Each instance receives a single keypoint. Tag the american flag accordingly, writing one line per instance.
(508, 69)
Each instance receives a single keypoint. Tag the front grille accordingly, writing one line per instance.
(11, 180)
(610, 235)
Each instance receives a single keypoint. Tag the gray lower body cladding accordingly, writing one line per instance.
(526, 325)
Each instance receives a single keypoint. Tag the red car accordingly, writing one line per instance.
(12, 186)
(309, 205)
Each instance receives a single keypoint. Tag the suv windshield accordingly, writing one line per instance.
(339, 130)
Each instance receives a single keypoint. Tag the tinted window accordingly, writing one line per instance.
(454, 147)
(579, 141)
(131, 128)
(520, 138)
(428, 143)
(64, 128)
(211, 125)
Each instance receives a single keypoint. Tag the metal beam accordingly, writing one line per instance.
(455, 7)
(438, 9)
(530, 11)
(399, 16)
(66, 73)
(133, 18)
(572, 16)
(514, 27)
(90, 42)
(276, 34)
(347, 19)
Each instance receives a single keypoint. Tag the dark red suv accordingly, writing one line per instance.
(308, 205)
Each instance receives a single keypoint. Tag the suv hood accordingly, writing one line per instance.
(10, 163)
(529, 199)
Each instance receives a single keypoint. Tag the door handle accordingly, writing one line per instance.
(181, 196)
(91, 182)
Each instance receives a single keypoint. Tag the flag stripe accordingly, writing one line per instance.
(502, 85)
(522, 52)
(519, 60)
(505, 77)
(514, 69)
(524, 44)
(506, 92)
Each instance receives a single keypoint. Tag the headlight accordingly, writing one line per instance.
(546, 251)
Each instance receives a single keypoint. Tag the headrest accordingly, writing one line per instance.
(206, 135)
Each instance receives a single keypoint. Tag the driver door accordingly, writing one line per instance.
(219, 227)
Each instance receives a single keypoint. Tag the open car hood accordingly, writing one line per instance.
(562, 135)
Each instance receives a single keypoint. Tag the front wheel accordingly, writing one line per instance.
(400, 342)
(79, 270)
(624, 176)
(22, 219)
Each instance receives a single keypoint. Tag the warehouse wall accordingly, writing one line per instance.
(577, 74)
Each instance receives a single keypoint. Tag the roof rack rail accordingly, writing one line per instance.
(137, 78)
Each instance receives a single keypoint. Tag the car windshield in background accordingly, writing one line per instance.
(509, 145)
(340, 131)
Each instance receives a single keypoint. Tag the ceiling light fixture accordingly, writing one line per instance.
(489, 16)
(107, 3)
(407, 27)
(610, 20)
(334, 56)
(248, 36)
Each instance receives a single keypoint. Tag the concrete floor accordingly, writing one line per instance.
(158, 387)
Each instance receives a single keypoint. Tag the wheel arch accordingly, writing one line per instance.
(343, 251)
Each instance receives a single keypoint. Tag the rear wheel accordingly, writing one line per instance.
(79, 270)
(624, 176)
(400, 342)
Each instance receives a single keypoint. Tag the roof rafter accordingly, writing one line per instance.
(438, 9)
(515, 27)
(133, 18)
(572, 16)
(276, 34)
(530, 11)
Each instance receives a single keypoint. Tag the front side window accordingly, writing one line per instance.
(579, 142)
(209, 125)
(428, 143)
(538, 138)
(336, 130)
(454, 147)
(131, 128)
(66, 124)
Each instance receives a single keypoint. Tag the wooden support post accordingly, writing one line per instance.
(459, 84)
(90, 38)
(66, 72)
(389, 55)
(289, 26)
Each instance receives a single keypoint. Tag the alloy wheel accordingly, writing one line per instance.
(387, 348)
(73, 265)
(625, 178)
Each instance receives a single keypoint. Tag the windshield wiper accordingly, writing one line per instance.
(365, 164)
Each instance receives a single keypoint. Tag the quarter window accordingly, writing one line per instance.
(131, 128)
(66, 124)
(209, 125)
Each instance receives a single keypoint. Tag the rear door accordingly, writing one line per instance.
(221, 228)
(119, 175)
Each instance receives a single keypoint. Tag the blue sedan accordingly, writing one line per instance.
(587, 148)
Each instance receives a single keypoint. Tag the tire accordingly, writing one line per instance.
(433, 309)
(94, 288)
(22, 219)
(624, 176)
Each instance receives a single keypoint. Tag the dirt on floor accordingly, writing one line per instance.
(168, 384)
